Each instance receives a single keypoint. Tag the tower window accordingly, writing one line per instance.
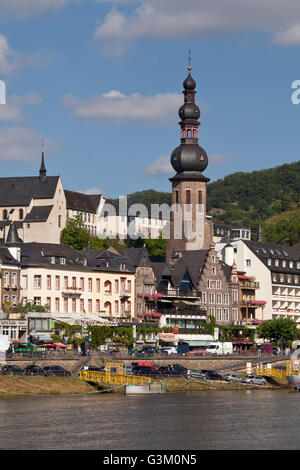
(188, 196)
(199, 197)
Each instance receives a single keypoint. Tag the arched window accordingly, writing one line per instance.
(107, 287)
(107, 307)
(21, 214)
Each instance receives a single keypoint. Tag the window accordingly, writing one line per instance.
(248, 262)
(211, 298)
(298, 265)
(82, 283)
(235, 295)
(57, 282)
(188, 196)
(98, 306)
(226, 314)
(82, 305)
(48, 282)
(49, 303)
(116, 307)
(176, 197)
(269, 262)
(276, 262)
(14, 279)
(37, 301)
(214, 271)
(219, 314)
(117, 286)
(62, 260)
(65, 305)
(57, 304)
(204, 297)
(283, 263)
(37, 282)
(90, 284)
(129, 286)
(6, 279)
(74, 305)
(98, 285)
(291, 264)
(4, 214)
(66, 282)
(21, 214)
(59, 221)
(74, 282)
(199, 197)
(90, 305)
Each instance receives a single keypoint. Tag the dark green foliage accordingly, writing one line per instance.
(282, 330)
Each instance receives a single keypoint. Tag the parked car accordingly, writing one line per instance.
(196, 374)
(168, 350)
(145, 351)
(213, 375)
(183, 349)
(176, 369)
(254, 379)
(232, 378)
(56, 371)
(33, 370)
(198, 352)
(12, 370)
(144, 370)
(94, 368)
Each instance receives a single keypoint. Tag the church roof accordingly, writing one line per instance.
(19, 191)
(38, 214)
(82, 202)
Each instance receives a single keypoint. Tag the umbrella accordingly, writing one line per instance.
(59, 345)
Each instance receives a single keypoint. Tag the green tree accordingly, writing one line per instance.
(279, 330)
(74, 234)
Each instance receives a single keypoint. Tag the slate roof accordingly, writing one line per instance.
(38, 214)
(18, 191)
(6, 257)
(271, 251)
(137, 256)
(41, 254)
(82, 202)
(107, 260)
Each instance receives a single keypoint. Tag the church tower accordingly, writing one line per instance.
(189, 227)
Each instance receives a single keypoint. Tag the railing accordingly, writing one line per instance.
(269, 371)
(249, 284)
(179, 293)
(113, 378)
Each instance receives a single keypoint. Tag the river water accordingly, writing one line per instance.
(252, 419)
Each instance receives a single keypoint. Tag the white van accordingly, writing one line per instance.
(220, 348)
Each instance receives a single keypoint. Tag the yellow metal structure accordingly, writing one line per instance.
(270, 371)
(113, 375)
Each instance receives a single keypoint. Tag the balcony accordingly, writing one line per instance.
(125, 293)
(246, 284)
(72, 291)
(178, 294)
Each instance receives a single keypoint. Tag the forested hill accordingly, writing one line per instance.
(244, 197)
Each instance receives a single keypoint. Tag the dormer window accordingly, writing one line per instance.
(62, 260)
(52, 260)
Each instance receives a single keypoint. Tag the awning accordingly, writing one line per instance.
(198, 343)
(167, 337)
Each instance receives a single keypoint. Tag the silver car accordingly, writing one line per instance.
(232, 378)
(254, 379)
(196, 374)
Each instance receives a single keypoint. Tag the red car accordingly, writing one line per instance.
(198, 352)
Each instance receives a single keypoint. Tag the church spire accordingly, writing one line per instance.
(43, 171)
(189, 159)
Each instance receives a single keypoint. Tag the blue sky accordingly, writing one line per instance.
(100, 82)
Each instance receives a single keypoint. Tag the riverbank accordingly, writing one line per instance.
(12, 386)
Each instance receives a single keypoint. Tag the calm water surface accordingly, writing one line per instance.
(192, 421)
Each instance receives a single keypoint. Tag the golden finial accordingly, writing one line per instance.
(189, 67)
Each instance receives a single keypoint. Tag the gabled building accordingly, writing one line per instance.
(88, 207)
(276, 270)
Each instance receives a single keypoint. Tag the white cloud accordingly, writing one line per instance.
(162, 167)
(92, 191)
(12, 61)
(24, 144)
(11, 111)
(117, 107)
(24, 9)
(195, 18)
(290, 37)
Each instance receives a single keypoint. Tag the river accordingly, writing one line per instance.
(252, 419)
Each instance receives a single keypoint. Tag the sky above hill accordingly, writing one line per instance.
(100, 83)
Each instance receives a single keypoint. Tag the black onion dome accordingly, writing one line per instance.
(189, 83)
(190, 157)
(189, 111)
